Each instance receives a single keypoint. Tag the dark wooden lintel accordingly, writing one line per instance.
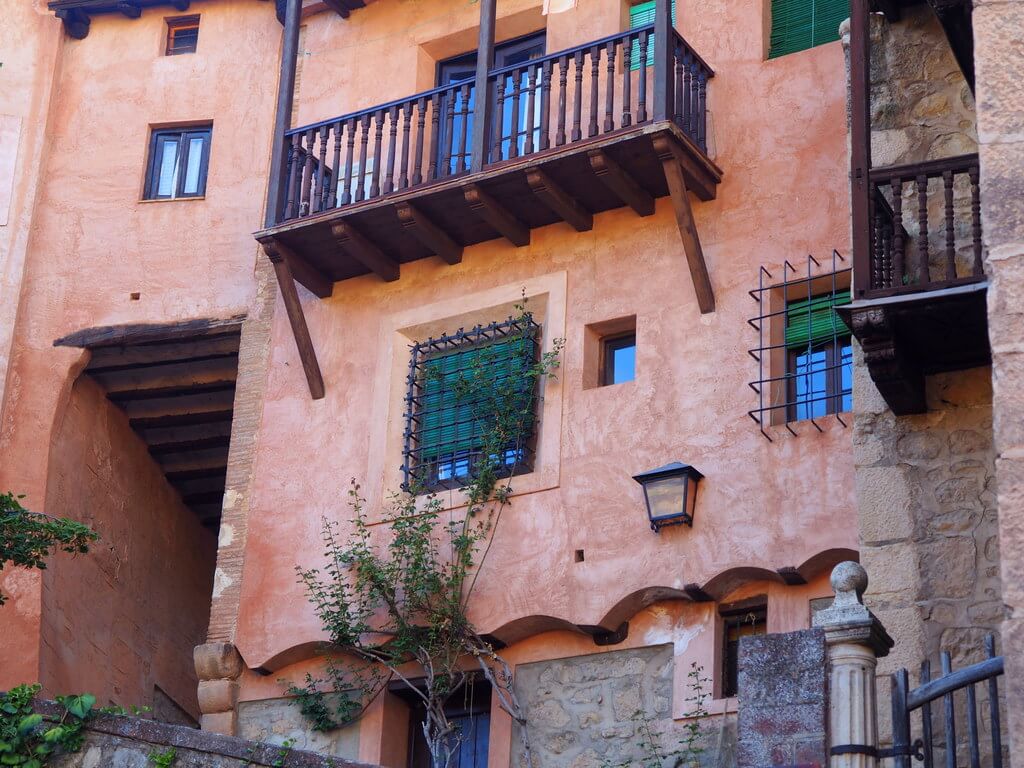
(144, 333)
(180, 5)
(292, 305)
(338, 7)
(791, 576)
(495, 214)
(619, 181)
(315, 281)
(666, 149)
(558, 200)
(419, 225)
(362, 248)
(698, 595)
(131, 10)
(76, 22)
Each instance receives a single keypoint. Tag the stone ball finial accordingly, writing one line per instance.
(849, 579)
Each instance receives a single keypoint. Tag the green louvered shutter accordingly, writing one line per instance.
(801, 24)
(642, 15)
(810, 321)
(448, 424)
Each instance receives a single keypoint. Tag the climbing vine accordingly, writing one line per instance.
(28, 738)
(398, 593)
(28, 538)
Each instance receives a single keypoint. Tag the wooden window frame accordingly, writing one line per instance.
(610, 344)
(184, 137)
(730, 615)
(178, 24)
(833, 381)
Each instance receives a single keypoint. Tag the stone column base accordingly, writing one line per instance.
(218, 666)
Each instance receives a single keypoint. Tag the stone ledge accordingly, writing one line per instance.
(150, 732)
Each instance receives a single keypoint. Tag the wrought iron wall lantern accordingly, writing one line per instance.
(670, 493)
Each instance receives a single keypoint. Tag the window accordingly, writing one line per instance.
(642, 15)
(801, 24)
(819, 357)
(619, 359)
(738, 621)
(458, 385)
(178, 161)
(469, 710)
(182, 35)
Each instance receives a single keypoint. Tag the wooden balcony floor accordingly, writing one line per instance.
(445, 205)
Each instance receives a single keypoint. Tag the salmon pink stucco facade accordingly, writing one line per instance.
(178, 416)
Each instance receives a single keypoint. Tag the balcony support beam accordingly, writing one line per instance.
(558, 200)
(484, 62)
(667, 150)
(315, 281)
(860, 144)
(664, 61)
(283, 115)
(368, 254)
(618, 180)
(495, 214)
(292, 305)
(419, 225)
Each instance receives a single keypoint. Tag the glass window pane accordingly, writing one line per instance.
(195, 159)
(167, 154)
(846, 375)
(811, 379)
(619, 360)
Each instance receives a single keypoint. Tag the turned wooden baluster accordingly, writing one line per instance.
(595, 75)
(979, 268)
(421, 121)
(563, 80)
(364, 138)
(947, 186)
(389, 174)
(922, 229)
(350, 143)
(378, 136)
(294, 172)
(641, 91)
(435, 128)
(403, 171)
(577, 99)
(517, 87)
(318, 197)
(307, 174)
(332, 192)
(449, 133)
(545, 104)
(530, 99)
(499, 116)
(685, 90)
(702, 112)
(877, 272)
(897, 231)
(627, 81)
(694, 99)
(609, 96)
(678, 60)
(463, 162)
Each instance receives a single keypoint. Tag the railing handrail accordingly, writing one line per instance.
(929, 168)
(453, 86)
(693, 52)
(567, 51)
(954, 681)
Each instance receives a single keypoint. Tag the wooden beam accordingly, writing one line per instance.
(106, 359)
(495, 214)
(144, 333)
(182, 409)
(791, 576)
(283, 112)
(368, 254)
(481, 106)
(558, 200)
(292, 305)
(696, 181)
(76, 22)
(698, 595)
(211, 458)
(664, 61)
(337, 7)
(618, 180)
(131, 10)
(315, 281)
(138, 381)
(160, 439)
(860, 143)
(419, 225)
(687, 228)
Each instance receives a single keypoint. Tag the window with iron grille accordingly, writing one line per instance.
(819, 357)
(471, 401)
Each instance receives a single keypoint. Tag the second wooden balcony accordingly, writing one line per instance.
(564, 136)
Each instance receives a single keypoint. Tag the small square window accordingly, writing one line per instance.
(819, 357)
(741, 621)
(182, 35)
(619, 359)
(451, 418)
(178, 160)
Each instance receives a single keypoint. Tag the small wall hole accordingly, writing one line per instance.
(579, 556)
(135, 296)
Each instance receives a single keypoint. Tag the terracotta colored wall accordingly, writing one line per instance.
(89, 240)
(125, 617)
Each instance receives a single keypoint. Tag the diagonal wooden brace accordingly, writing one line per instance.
(307, 354)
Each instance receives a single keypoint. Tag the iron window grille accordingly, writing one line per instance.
(813, 355)
(178, 163)
(460, 386)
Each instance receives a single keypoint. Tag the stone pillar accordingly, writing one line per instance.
(218, 667)
(854, 639)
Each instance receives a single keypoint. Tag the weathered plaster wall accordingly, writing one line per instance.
(89, 240)
(124, 618)
(999, 61)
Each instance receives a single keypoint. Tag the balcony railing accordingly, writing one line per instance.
(925, 223)
(564, 98)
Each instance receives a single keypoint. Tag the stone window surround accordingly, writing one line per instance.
(546, 296)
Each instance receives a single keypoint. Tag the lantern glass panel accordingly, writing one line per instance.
(665, 496)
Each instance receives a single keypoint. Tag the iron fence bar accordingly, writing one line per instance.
(972, 727)
(900, 720)
(926, 717)
(950, 714)
(951, 681)
(993, 707)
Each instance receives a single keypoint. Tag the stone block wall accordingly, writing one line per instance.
(587, 711)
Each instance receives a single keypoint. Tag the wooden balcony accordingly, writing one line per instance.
(919, 287)
(564, 137)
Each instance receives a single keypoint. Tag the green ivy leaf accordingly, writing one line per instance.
(80, 706)
(26, 724)
(12, 759)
